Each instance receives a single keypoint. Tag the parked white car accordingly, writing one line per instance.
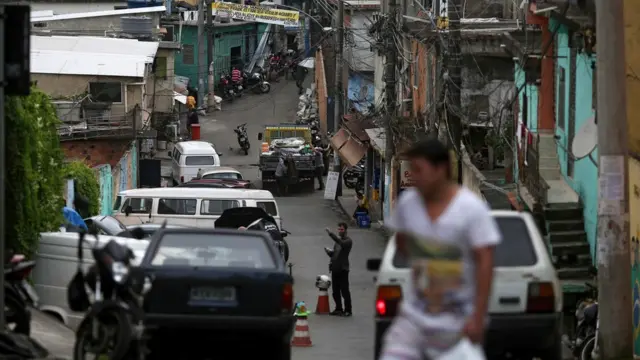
(526, 301)
(188, 157)
(57, 262)
(222, 173)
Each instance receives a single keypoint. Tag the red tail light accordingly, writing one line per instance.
(287, 298)
(181, 179)
(388, 300)
(541, 298)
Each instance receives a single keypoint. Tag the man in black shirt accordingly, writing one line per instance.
(339, 267)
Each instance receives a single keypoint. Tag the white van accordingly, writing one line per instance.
(190, 156)
(57, 262)
(195, 207)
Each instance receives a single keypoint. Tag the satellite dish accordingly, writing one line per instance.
(586, 139)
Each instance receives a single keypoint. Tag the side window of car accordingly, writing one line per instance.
(177, 206)
(176, 155)
(138, 205)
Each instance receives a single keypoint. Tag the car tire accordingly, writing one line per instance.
(286, 251)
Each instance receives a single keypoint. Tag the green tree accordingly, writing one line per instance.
(86, 184)
(34, 163)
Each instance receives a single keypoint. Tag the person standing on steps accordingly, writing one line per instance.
(339, 267)
(319, 160)
(448, 295)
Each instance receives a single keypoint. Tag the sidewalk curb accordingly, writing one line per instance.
(377, 228)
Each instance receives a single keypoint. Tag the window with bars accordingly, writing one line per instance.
(188, 54)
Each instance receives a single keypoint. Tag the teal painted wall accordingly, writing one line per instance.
(244, 36)
(585, 172)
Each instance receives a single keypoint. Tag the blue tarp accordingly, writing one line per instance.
(361, 92)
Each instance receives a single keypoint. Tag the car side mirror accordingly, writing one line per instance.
(219, 154)
(373, 264)
(260, 136)
(128, 210)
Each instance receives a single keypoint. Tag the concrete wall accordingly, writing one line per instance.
(487, 85)
(68, 86)
(162, 101)
(125, 173)
(358, 42)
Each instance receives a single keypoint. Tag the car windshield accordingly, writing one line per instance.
(515, 249)
(110, 224)
(206, 250)
(223, 175)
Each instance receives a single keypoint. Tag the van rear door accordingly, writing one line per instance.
(193, 163)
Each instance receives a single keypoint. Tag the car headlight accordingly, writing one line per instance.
(120, 271)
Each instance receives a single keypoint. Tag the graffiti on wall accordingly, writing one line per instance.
(634, 227)
(123, 175)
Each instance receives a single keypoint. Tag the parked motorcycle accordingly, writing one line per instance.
(19, 295)
(256, 83)
(237, 87)
(226, 89)
(353, 174)
(243, 139)
(113, 325)
(584, 344)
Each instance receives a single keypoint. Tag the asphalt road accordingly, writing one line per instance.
(306, 217)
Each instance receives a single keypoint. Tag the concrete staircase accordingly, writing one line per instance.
(548, 153)
(568, 240)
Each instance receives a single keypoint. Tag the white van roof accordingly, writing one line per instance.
(195, 147)
(204, 193)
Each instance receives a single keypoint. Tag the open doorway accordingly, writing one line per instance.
(236, 57)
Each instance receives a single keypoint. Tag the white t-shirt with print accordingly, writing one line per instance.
(466, 224)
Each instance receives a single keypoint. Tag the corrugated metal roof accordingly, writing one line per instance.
(91, 14)
(87, 55)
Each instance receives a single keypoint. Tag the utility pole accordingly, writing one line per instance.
(202, 62)
(338, 106)
(454, 70)
(210, 46)
(3, 163)
(391, 58)
(614, 269)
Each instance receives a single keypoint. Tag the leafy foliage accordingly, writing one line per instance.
(86, 184)
(34, 162)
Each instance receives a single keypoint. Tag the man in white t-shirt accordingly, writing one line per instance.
(453, 230)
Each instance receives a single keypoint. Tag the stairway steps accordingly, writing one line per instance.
(563, 212)
(573, 272)
(570, 248)
(565, 225)
(573, 236)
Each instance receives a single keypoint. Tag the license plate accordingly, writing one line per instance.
(213, 294)
(30, 292)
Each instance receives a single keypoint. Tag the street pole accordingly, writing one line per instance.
(338, 94)
(614, 269)
(3, 164)
(454, 69)
(210, 46)
(202, 41)
(391, 58)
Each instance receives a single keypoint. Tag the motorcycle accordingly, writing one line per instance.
(243, 139)
(256, 82)
(226, 89)
(235, 85)
(584, 344)
(113, 324)
(19, 294)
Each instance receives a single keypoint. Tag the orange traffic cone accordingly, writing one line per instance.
(323, 303)
(301, 336)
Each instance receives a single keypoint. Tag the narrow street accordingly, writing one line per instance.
(306, 217)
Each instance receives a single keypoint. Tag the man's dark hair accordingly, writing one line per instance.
(343, 224)
(431, 150)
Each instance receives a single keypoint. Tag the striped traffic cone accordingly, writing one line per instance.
(301, 335)
(322, 308)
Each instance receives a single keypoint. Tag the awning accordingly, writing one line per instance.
(357, 126)
(179, 98)
(377, 139)
(350, 149)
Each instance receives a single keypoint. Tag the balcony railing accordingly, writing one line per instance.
(99, 127)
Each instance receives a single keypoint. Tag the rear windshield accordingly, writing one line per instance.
(268, 206)
(515, 249)
(223, 175)
(204, 250)
(199, 160)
